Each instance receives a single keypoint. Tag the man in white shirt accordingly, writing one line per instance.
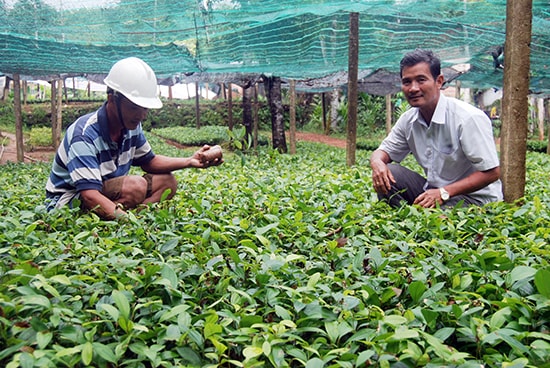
(450, 139)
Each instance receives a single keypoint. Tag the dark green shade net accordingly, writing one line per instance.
(227, 40)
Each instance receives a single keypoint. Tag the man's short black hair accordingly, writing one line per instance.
(421, 56)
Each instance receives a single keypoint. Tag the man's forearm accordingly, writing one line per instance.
(379, 155)
(96, 202)
(473, 182)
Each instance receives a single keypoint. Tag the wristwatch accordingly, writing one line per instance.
(444, 194)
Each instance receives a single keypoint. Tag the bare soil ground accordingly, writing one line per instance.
(8, 151)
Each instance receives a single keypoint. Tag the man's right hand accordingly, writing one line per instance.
(95, 201)
(382, 178)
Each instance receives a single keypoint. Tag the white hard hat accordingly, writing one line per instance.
(134, 78)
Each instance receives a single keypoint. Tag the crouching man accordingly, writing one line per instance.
(93, 162)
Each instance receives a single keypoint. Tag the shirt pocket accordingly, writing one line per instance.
(450, 163)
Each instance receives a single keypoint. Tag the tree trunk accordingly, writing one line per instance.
(248, 119)
(514, 102)
(276, 108)
(292, 104)
(18, 118)
(325, 122)
(353, 57)
(6, 88)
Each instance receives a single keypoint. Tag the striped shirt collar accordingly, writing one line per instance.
(103, 121)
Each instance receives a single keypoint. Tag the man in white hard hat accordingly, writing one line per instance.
(93, 162)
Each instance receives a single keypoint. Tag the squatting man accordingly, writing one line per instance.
(92, 165)
(450, 139)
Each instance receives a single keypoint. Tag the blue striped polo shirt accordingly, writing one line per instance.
(87, 156)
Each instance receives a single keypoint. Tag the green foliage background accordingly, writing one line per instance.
(181, 114)
(276, 261)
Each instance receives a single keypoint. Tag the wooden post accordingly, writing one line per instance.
(63, 88)
(388, 113)
(230, 106)
(548, 144)
(24, 90)
(197, 106)
(18, 118)
(58, 110)
(248, 115)
(540, 118)
(292, 111)
(53, 109)
(256, 123)
(334, 97)
(353, 52)
(513, 144)
(457, 89)
(326, 124)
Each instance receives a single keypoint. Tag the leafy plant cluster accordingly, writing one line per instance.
(183, 113)
(38, 115)
(40, 137)
(537, 146)
(211, 135)
(192, 136)
(371, 114)
(172, 114)
(275, 261)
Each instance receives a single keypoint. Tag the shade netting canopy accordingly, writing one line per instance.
(229, 40)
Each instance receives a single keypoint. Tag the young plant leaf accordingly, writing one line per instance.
(542, 282)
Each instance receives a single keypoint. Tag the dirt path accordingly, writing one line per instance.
(8, 151)
(321, 138)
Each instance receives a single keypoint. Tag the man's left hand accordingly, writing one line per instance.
(199, 161)
(429, 198)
